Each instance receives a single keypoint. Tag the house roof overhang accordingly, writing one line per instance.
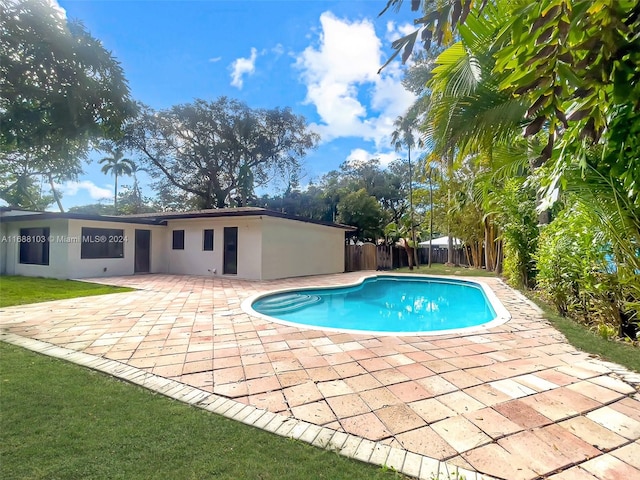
(161, 218)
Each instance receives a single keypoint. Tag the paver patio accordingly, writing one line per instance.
(511, 402)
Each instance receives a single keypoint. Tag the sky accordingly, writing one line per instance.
(320, 58)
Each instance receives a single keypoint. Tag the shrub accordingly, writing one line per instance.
(519, 223)
(576, 273)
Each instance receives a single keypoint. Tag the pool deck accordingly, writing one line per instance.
(511, 402)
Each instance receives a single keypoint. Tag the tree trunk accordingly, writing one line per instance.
(408, 249)
(544, 217)
(55, 192)
(413, 228)
(450, 243)
(498, 268)
(489, 246)
(115, 197)
(466, 255)
(430, 214)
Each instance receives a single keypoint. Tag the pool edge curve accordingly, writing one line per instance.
(502, 314)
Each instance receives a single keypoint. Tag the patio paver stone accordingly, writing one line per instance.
(511, 402)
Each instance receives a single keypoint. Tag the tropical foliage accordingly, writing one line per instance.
(59, 91)
(404, 136)
(362, 211)
(546, 96)
(117, 166)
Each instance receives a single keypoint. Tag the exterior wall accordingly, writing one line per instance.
(294, 249)
(193, 260)
(58, 249)
(159, 248)
(4, 238)
(267, 248)
(3, 248)
(105, 267)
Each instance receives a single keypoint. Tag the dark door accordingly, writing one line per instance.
(142, 251)
(230, 266)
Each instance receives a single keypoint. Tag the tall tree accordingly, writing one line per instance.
(405, 136)
(117, 166)
(218, 151)
(134, 196)
(59, 90)
(387, 185)
(361, 210)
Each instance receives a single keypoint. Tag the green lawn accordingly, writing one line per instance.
(62, 421)
(440, 269)
(584, 339)
(15, 290)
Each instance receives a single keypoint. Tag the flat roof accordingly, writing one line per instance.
(161, 218)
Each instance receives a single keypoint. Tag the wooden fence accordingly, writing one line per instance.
(440, 255)
(387, 257)
(360, 257)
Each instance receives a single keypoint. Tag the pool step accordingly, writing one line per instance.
(286, 303)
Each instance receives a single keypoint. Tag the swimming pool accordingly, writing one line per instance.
(386, 305)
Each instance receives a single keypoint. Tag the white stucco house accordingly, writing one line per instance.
(247, 242)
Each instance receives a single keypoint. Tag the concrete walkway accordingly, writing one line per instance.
(512, 402)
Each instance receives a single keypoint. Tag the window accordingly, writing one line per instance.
(208, 240)
(34, 246)
(178, 239)
(102, 243)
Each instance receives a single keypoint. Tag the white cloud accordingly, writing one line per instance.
(340, 73)
(215, 59)
(396, 31)
(95, 192)
(241, 67)
(56, 6)
(361, 155)
(278, 50)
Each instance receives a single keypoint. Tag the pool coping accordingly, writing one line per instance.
(345, 444)
(502, 314)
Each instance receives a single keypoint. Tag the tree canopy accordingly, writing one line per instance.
(59, 90)
(218, 151)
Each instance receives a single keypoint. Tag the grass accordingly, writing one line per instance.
(584, 339)
(62, 421)
(440, 269)
(16, 290)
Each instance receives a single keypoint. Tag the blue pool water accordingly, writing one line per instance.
(384, 304)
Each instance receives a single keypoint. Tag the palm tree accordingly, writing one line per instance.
(466, 117)
(404, 136)
(117, 166)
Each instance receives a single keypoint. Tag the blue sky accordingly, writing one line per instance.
(318, 57)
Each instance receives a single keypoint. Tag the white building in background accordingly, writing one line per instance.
(248, 243)
(441, 242)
